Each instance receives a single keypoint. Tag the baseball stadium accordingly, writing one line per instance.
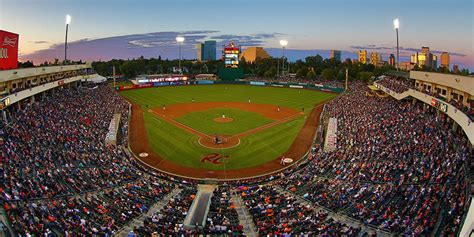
(222, 133)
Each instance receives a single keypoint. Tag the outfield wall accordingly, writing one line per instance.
(315, 86)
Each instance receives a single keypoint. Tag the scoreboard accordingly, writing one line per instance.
(231, 55)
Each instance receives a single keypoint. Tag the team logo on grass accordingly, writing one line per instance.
(214, 158)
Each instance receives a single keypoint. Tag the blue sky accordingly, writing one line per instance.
(306, 24)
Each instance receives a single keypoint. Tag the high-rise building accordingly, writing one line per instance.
(206, 51)
(445, 60)
(414, 58)
(336, 54)
(391, 60)
(363, 56)
(455, 69)
(434, 61)
(425, 58)
(375, 59)
(199, 52)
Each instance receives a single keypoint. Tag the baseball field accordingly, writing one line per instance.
(222, 131)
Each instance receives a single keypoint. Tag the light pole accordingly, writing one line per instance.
(68, 21)
(180, 40)
(396, 25)
(283, 44)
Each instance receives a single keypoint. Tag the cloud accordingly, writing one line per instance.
(39, 42)
(403, 49)
(147, 45)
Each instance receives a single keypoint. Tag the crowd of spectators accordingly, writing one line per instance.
(56, 147)
(276, 213)
(395, 166)
(96, 213)
(169, 220)
(401, 84)
(55, 167)
(222, 218)
(397, 84)
(296, 80)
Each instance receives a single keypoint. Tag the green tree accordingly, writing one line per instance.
(129, 69)
(327, 74)
(311, 74)
(365, 76)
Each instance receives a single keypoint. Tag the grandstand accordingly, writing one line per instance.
(401, 165)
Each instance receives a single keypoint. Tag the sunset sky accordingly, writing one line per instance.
(104, 29)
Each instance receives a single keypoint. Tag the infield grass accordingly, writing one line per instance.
(203, 121)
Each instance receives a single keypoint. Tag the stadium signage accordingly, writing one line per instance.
(8, 50)
(439, 105)
(162, 79)
(293, 86)
(214, 158)
(5, 103)
(257, 83)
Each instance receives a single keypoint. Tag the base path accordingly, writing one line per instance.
(139, 143)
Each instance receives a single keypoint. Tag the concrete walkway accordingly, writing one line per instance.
(200, 207)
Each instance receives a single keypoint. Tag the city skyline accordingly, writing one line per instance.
(148, 28)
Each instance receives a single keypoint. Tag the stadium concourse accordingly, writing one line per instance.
(397, 168)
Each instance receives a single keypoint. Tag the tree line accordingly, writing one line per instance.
(311, 67)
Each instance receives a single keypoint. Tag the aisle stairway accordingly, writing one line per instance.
(245, 218)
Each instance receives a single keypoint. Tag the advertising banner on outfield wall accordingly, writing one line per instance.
(257, 83)
(8, 50)
(205, 82)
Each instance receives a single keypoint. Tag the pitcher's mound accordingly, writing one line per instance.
(223, 120)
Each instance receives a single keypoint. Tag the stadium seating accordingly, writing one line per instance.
(398, 167)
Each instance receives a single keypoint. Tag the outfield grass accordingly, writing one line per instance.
(242, 121)
(181, 147)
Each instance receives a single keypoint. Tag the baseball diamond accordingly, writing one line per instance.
(213, 131)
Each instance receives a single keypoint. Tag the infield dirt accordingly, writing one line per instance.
(302, 143)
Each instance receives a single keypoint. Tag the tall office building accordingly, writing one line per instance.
(414, 58)
(425, 58)
(434, 61)
(455, 69)
(391, 60)
(336, 54)
(199, 52)
(375, 58)
(363, 56)
(445, 60)
(206, 51)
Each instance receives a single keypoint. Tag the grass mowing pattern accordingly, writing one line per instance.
(243, 121)
(179, 146)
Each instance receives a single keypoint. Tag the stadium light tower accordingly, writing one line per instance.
(283, 44)
(396, 26)
(180, 40)
(68, 21)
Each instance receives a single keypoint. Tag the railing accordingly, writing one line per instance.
(454, 113)
(20, 95)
